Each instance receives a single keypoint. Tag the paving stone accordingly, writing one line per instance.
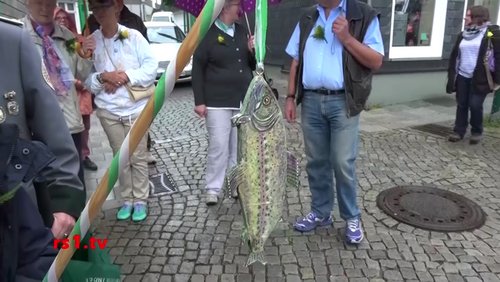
(424, 276)
(454, 277)
(291, 269)
(293, 278)
(182, 277)
(306, 273)
(339, 279)
(392, 275)
(489, 277)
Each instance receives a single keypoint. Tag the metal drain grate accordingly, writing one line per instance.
(431, 208)
(435, 129)
(162, 184)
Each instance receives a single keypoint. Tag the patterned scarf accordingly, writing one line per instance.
(473, 31)
(59, 73)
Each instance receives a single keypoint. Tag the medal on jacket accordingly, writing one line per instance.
(3, 116)
(12, 106)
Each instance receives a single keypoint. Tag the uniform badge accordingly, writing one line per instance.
(3, 115)
(12, 106)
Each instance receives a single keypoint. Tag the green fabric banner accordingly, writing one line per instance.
(260, 31)
(82, 14)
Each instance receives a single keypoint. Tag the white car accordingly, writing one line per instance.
(165, 39)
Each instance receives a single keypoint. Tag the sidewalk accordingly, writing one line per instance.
(184, 240)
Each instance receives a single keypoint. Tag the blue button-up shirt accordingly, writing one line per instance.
(323, 66)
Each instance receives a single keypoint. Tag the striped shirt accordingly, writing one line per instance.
(469, 50)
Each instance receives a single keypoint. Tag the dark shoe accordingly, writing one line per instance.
(455, 137)
(212, 200)
(89, 164)
(150, 158)
(475, 139)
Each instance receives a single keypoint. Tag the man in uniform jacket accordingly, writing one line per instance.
(36, 150)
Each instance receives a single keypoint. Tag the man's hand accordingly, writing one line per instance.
(63, 224)
(116, 78)
(251, 43)
(201, 110)
(340, 28)
(290, 110)
(110, 88)
(123, 77)
(89, 44)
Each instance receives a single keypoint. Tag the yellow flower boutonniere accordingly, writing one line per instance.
(221, 39)
(319, 33)
(123, 35)
(489, 34)
(72, 45)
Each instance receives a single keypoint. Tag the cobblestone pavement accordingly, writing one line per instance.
(184, 240)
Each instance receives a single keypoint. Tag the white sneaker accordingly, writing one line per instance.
(212, 199)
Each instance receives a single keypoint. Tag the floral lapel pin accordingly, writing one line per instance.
(319, 33)
(72, 45)
(221, 39)
(123, 35)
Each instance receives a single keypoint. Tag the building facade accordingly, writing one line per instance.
(12, 8)
(418, 38)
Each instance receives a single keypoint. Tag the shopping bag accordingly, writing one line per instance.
(89, 265)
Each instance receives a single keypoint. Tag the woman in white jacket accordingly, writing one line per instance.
(122, 57)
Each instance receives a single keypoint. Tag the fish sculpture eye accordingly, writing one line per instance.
(267, 101)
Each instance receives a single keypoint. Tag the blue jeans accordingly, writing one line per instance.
(467, 100)
(331, 144)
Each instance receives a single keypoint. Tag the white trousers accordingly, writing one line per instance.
(222, 147)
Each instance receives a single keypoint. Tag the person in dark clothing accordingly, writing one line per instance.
(467, 75)
(222, 71)
(39, 162)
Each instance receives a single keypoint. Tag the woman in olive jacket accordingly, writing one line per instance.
(467, 73)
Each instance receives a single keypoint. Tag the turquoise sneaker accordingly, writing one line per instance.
(125, 211)
(140, 211)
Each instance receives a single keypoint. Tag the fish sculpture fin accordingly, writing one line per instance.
(292, 177)
(234, 179)
(256, 257)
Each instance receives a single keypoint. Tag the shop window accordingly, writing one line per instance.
(70, 7)
(417, 29)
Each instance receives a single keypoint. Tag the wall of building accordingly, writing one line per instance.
(399, 80)
(284, 17)
(12, 8)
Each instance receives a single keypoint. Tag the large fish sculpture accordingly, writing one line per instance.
(264, 166)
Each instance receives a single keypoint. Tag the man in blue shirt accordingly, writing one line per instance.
(335, 47)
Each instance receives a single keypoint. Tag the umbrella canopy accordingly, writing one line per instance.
(194, 6)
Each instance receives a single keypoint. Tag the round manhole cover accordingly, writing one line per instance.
(431, 208)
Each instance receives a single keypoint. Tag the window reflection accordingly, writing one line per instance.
(413, 21)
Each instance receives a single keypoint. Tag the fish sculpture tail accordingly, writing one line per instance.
(256, 257)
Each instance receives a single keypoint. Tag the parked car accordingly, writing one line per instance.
(165, 39)
(162, 17)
